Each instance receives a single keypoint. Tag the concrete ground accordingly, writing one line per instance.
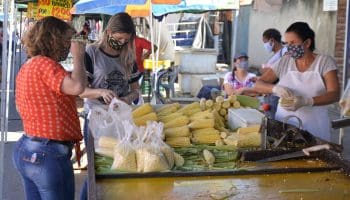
(13, 188)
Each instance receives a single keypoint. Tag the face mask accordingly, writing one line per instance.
(243, 65)
(295, 51)
(64, 54)
(268, 47)
(115, 44)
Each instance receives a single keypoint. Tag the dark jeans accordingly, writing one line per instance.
(45, 168)
(272, 100)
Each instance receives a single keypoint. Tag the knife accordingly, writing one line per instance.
(301, 153)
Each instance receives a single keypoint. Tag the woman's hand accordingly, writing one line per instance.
(107, 95)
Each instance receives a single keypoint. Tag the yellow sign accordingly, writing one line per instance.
(56, 8)
(32, 10)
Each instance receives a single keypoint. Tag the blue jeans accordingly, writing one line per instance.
(45, 168)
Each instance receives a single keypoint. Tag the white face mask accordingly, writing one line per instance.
(268, 47)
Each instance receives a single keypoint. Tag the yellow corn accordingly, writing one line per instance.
(142, 110)
(226, 104)
(170, 117)
(202, 114)
(223, 112)
(205, 132)
(167, 106)
(192, 112)
(178, 141)
(107, 142)
(208, 157)
(177, 122)
(236, 104)
(167, 111)
(252, 139)
(219, 99)
(141, 121)
(179, 160)
(189, 107)
(209, 103)
(232, 98)
(182, 131)
(202, 103)
(217, 106)
(245, 130)
(206, 139)
(202, 123)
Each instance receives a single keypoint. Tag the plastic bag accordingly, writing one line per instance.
(345, 102)
(101, 123)
(124, 152)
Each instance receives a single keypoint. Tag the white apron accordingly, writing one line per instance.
(315, 119)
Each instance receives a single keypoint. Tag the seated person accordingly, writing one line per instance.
(239, 80)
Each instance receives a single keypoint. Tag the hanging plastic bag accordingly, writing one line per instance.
(124, 152)
(345, 101)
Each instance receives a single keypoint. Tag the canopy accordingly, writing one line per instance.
(87, 7)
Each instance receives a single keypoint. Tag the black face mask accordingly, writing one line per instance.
(115, 44)
(64, 54)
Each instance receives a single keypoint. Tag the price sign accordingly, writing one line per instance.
(56, 8)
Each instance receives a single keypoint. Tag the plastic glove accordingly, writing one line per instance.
(282, 92)
(298, 102)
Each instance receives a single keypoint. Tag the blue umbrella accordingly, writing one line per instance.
(94, 6)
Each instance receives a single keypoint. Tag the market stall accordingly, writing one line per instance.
(211, 160)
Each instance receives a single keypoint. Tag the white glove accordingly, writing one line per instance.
(282, 92)
(298, 102)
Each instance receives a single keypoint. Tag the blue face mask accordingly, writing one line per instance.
(243, 65)
(268, 47)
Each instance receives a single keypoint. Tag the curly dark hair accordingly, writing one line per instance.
(47, 37)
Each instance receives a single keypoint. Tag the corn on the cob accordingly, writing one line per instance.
(232, 98)
(244, 130)
(165, 107)
(205, 139)
(208, 157)
(209, 103)
(252, 139)
(202, 103)
(219, 143)
(217, 106)
(192, 112)
(107, 142)
(170, 117)
(182, 131)
(178, 141)
(226, 104)
(189, 107)
(236, 104)
(167, 111)
(179, 160)
(223, 135)
(202, 123)
(169, 155)
(205, 131)
(232, 140)
(203, 114)
(142, 110)
(142, 121)
(177, 122)
(219, 99)
(223, 112)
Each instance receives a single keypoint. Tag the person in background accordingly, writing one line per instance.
(239, 80)
(143, 49)
(111, 69)
(45, 99)
(307, 82)
(86, 30)
(272, 44)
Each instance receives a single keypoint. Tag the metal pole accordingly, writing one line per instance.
(234, 36)
(4, 83)
(346, 61)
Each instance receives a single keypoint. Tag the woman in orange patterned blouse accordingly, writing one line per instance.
(45, 99)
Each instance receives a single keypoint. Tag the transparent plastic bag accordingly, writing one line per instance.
(345, 102)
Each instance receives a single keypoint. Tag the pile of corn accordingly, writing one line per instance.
(245, 137)
(144, 113)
